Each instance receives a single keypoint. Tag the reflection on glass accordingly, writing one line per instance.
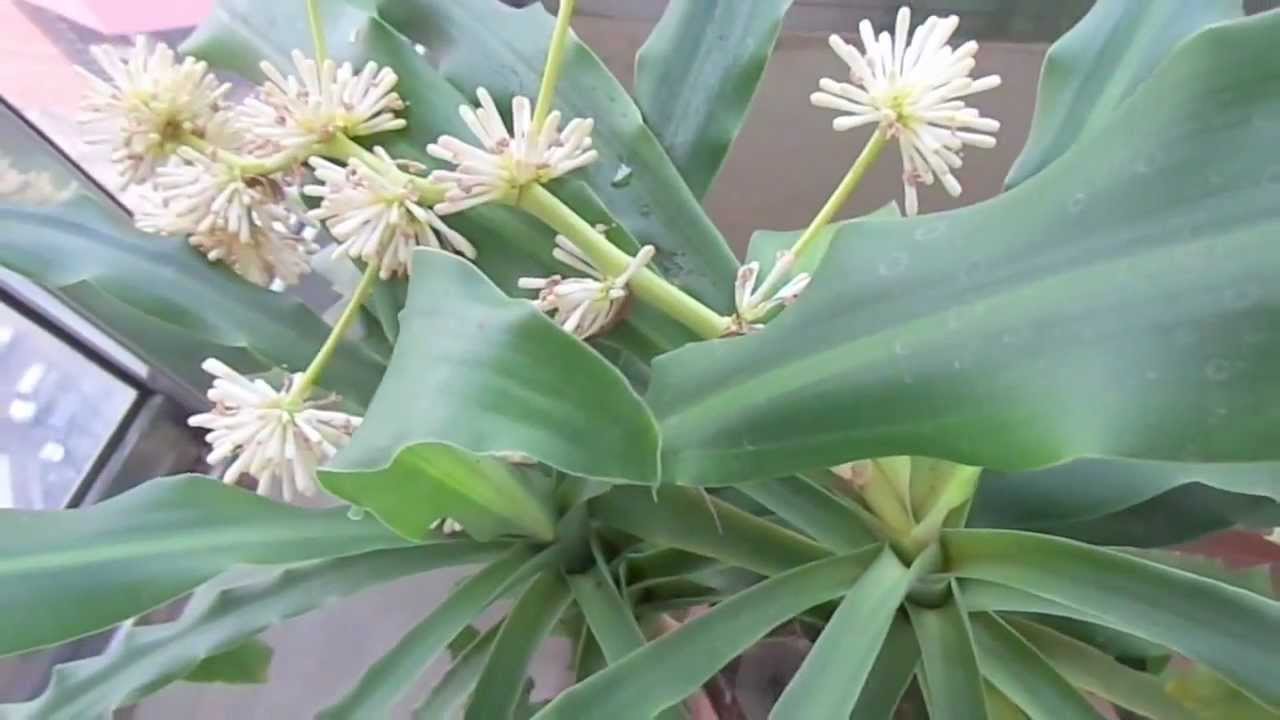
(58, 409)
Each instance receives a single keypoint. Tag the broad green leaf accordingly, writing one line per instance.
(610, 620)
(1015, 667)
(830, 520)
(955, 688)
(1090, 71)
(1256, 579)
(1091, 488)
(488, 44)
(244, 664)
(689, 520)
(1093, 670)
(498, 689)
(461, 677)
(490, 374)
(891, 675)
(69, 573)
(218, 618)
(1118, 305)
(671, 668)
(836, 670)
(1224, 627)
(394, 673)
(156, 293)
(1212, 698)
(696, 75)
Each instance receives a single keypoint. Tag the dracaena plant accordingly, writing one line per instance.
(941, 451)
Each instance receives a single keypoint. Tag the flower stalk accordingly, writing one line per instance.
(302, 388)
(317, 29)
(866, 160)
(555, 63)
(646, 284)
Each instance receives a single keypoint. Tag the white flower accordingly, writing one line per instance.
(264, 257)
(754, 304)
(147, 103)
(376, 218)
(913, 92)
(584, 307)
(269, 439)
(322, 100)
(507, 161)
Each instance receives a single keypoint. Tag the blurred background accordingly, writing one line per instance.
(81, 418)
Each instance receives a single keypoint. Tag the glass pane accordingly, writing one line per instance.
(58, 410)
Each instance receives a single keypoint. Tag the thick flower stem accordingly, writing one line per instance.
(344, 148)
(245, 165)
(298, 393)
(866, 159)
(647, 285)
(317, 30)
(555, 62)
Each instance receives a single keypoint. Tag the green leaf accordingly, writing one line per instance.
(88, 249)
(74, 572)
(836, 670)
(671, 668)
(1092, 70)
(1095, 671)
(696, 76)
(220, 615)
(1224, 627)
(1139, 266)
(502, 378)
(395, 672)
(1022, 673)
(497, 691)
(458, 681)
(687, 519)
(832, 521)
(1211, 697)
(891, 675)
(244, 664)
(955, 688)
(608, 616)
(488, 44)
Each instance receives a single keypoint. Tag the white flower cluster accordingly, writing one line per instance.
(914, 91)
(755, 303)
(277, 442)
(584, 306)
(507, 160)
(377, 218)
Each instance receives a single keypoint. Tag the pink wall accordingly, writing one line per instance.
(115, 17)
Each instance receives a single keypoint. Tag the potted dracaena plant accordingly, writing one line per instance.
(946, 451)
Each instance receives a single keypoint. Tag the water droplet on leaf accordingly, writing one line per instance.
(623, 177)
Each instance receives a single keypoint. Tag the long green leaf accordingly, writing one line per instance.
(1139, 266)
(826, 518)
(1095, 671)
(955, 688)
(1020, 672)
(458, 681)
(1211, 697)
(836, 670)
(493, 374)
(1224, 627)
(696, 76)
(1094, 68)
(125, 279)
(73, 572)
(611, 622)
(218, 617)
(393, 674)
(671, 668)
(245, 664)
(499, 687)
(891, 675)
(686, 519)
(488, 44)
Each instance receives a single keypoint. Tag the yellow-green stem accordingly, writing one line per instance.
(645, 284)
(555, 61)
(298, 393)
(317, 30)
(243, 164)
(343, 147)
(866, 159)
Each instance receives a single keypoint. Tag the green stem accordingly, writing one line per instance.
(343, 147)
(646, 284)
(243, 164)
(298, 394)
(555, 61)
(317, 30)
(865, 161)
